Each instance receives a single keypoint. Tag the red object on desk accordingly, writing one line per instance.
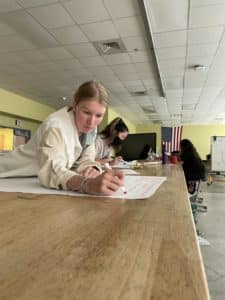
(173, 159)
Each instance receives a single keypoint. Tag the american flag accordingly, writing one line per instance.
(171, 137)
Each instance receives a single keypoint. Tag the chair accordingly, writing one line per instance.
(196, 206)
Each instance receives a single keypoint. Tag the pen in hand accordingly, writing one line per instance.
(123, 189)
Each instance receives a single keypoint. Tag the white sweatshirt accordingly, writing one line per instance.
(51, 152)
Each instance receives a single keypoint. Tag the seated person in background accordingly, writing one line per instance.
(194, 169)
(145, 152)
(109, 141)
(66, 139)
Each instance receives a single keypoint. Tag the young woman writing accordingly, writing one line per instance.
(62, 153)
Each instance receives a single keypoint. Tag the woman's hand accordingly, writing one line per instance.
(116, 160)
(90, 172)
(105, 184)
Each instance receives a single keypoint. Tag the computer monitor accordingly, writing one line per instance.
(134, 144)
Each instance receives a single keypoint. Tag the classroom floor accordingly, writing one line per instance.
(212, 226)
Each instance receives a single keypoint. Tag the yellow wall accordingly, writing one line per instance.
(152, 128)
(19, 106)
(200, 136)
(104, 122)
(7, 120)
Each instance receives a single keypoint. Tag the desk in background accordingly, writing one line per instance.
(60, 247)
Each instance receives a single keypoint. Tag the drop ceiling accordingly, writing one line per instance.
(48, 48)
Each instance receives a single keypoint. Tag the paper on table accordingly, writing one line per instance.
(138, 187)
(129, 172)
(153, 162)
(125, 164)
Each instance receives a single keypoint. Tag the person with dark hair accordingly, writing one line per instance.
(62, 151)
(145, 151)
(109, 142)
(194, 169)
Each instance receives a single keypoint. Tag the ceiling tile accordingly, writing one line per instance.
(69, 35)
(135, 43)
(172, 67)
(143, 67)
(11, 58)
(121, 9)
(170, 39)
(82, 50)
(150, 84)
(172, 52)
(14, 43)
(174, 82)
(215, 78)
(125, 68)
(117, 59)
(205, 35)
(9, 5)
(132, 83)
(68, 64)
(206, 2)
(139, 56)
(5, 29)
(92, 61)
(145, 75)
(33, 3)
(86, 11)
(42, 15)
(28, 28)
(56, 53)
(202, 50)
(164, 16)
(194, 79)
(206, 16)
(128, 76)
(33, 56)
(131, 26)
(100, 31)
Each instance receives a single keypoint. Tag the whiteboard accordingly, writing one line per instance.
(218, 153)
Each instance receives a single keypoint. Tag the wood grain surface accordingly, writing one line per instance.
(61, 247)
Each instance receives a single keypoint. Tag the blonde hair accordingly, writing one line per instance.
(91, 89)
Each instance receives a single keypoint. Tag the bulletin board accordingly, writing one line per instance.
(218, 153)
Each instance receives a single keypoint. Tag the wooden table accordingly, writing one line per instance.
(61, 247)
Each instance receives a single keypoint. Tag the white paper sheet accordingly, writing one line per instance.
(150, 163)
(138, 187)
(125, 164)
(130, 172)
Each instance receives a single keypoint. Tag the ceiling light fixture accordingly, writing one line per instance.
(199, 67)
(146, 13)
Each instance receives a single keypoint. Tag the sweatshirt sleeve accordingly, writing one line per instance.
(87, 159)
(53, 162)
(101, 149)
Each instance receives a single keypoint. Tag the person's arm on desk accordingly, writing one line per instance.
(105, 184)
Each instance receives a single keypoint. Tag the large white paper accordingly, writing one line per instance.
(130, 172)
(125, 164)
(138, 187)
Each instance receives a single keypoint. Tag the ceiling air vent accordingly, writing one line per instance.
(139, 93)
(110, 47)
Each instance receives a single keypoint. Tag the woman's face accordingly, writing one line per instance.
(123, 135)
(88, 114)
